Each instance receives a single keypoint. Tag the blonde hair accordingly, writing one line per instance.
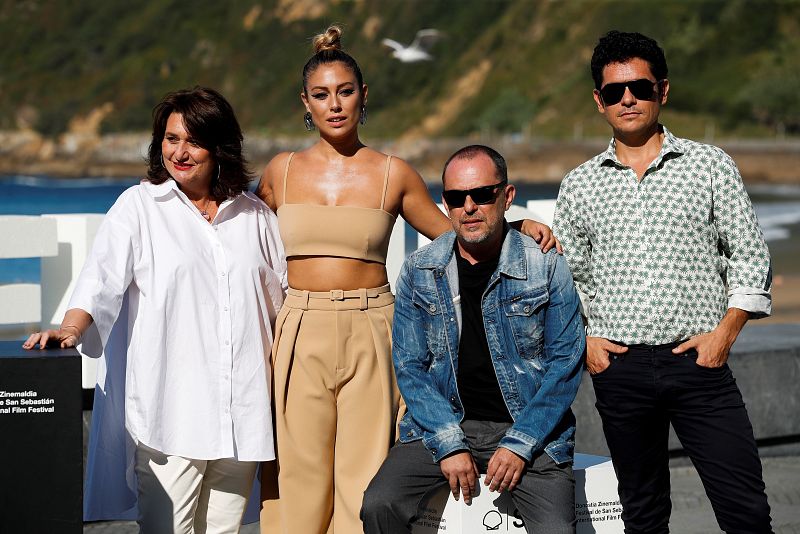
(328, 49)
(330, 40)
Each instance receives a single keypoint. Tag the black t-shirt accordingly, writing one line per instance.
(477, 382)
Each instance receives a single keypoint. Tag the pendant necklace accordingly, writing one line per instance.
(204, 211)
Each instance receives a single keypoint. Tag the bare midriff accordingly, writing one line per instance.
(325, 273)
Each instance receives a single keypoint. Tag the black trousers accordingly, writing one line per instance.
(638, 396)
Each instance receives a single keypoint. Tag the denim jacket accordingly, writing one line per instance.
(535, 337)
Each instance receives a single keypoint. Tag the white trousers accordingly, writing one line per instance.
(185, 496)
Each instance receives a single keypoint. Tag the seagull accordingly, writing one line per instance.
(417, 50)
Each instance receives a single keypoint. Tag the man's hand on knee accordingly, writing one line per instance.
(505, 470)
(461, 473)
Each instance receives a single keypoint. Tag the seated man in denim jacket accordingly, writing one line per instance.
(487, 346)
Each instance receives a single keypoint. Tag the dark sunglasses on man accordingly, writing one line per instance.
(643, 89)
(487, 194)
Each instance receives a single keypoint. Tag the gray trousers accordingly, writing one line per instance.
(544, 497)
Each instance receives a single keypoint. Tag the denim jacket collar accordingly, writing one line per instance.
(512, 255)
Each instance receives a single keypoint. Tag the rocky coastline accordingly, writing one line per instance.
(87, 154)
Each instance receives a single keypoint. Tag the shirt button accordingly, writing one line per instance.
(432, 307)
(222, 274)
(410, 433)
(225, 308)
(227, 342)
(526, 309)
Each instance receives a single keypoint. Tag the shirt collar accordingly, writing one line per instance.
(160, 190)
(438, 253)
(670, 146)
(248, 195)
(163, 189)
(512, 254)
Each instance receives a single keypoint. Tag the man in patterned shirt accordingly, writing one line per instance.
(670, 262)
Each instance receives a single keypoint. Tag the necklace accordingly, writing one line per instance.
(204, 211)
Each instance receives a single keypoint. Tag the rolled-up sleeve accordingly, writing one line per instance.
(749, 273)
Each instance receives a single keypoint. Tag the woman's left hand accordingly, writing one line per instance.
(62, 338)
(542, 234)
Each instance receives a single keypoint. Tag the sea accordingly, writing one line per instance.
(777, 208)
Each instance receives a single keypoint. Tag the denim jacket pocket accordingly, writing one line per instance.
(524, 313)
(433, 322)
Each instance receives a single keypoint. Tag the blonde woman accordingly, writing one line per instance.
(336, 401)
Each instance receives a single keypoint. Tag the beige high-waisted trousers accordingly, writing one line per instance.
(336, 405)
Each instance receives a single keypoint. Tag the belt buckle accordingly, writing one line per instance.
(337, 294)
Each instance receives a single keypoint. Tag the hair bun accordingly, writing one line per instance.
(330, 40)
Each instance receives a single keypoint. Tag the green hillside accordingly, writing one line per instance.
(504, 66)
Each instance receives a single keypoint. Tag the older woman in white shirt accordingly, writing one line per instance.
(198, 262)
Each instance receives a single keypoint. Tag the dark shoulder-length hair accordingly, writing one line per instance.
(211, 123)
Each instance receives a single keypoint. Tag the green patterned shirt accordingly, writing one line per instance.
(661, 259)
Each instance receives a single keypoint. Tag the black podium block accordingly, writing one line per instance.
(41, 445)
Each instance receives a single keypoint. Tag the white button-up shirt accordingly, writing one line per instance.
(201, 304)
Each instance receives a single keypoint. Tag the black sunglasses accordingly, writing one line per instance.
(487, 194)
(643, 89)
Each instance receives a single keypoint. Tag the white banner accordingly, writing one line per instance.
(597, 506)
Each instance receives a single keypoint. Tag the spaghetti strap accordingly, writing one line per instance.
(286, 175)
(386, 181)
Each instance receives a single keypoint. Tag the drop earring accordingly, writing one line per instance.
(363, 118)
(308, 122)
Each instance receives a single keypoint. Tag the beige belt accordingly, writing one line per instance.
(362, 295)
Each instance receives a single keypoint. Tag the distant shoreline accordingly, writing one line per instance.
(530, 160)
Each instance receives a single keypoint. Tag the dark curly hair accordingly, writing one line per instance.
(619, 47)
(210, 120)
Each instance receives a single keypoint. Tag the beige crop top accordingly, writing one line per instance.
(340, 231)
